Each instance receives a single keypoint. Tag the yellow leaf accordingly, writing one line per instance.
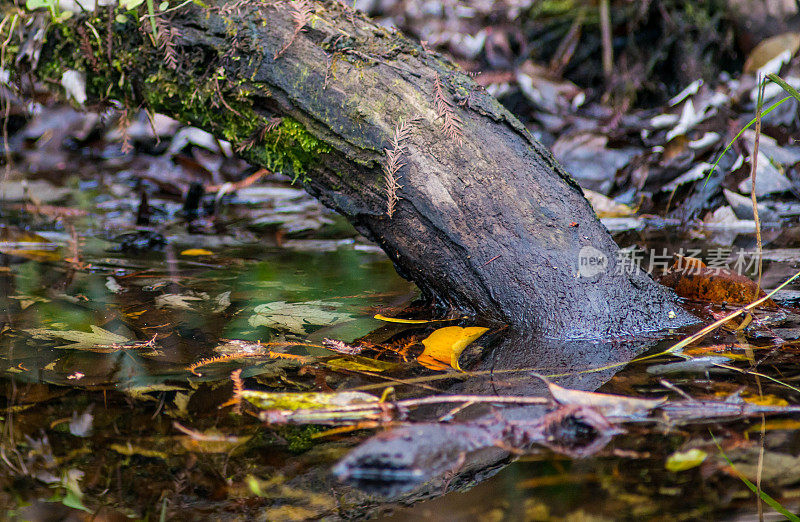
(683, 460)
(444, 346)
(765, 400)
(606, 207)
(197, 252)
(396, 320)
(780, 424)
(356, 363)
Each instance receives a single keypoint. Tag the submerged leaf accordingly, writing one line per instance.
(363, 364)
(683, 460)
(96, 340)
(294, 317)
(444, 346)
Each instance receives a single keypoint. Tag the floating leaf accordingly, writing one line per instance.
(294, 317)
(444, 346)
(305, 401)
(197, 252)
(683, 460)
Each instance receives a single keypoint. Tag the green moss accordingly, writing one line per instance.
(299, 437)
(221, 104)
(289, 148)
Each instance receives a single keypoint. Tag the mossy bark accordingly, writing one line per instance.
(487, 222)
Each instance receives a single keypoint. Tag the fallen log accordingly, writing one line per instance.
(417, 156)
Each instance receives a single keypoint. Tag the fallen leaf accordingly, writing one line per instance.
(683, 460)
(209, 441)
(444, 346)
(180, 301)
(96, 340)
(607, 404)
(403, 321)
(304, 401)
(694, 280)
(294, 317)
(769, 49)
(197, 252)
(130, 450)
(606, 207)
(363, 364)
(765, 400)
(27, 245)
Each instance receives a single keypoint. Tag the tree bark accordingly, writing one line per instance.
(486, 221)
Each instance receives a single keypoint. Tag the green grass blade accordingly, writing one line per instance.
(771, 502)
(785, 86)
(151, 10)
(767, 111)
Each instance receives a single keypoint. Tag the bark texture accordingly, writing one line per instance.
(486, 221)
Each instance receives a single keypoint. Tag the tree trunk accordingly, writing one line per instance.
(485, 220)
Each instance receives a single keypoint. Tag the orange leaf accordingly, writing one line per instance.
(444, 346)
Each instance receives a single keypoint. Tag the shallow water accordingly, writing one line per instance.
(109, 415)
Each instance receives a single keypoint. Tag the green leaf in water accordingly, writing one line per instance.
(294, 317)
(96, 340)
(304, 401)
(683, 460)
(364, 364)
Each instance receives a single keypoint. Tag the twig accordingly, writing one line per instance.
(492, 259)
(753, 196)
(605, 35)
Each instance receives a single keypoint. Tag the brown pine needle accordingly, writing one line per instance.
(391, 170)
(451, 124)
(301, 14)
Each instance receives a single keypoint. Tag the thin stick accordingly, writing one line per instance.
(605, 35)
(753, 197)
